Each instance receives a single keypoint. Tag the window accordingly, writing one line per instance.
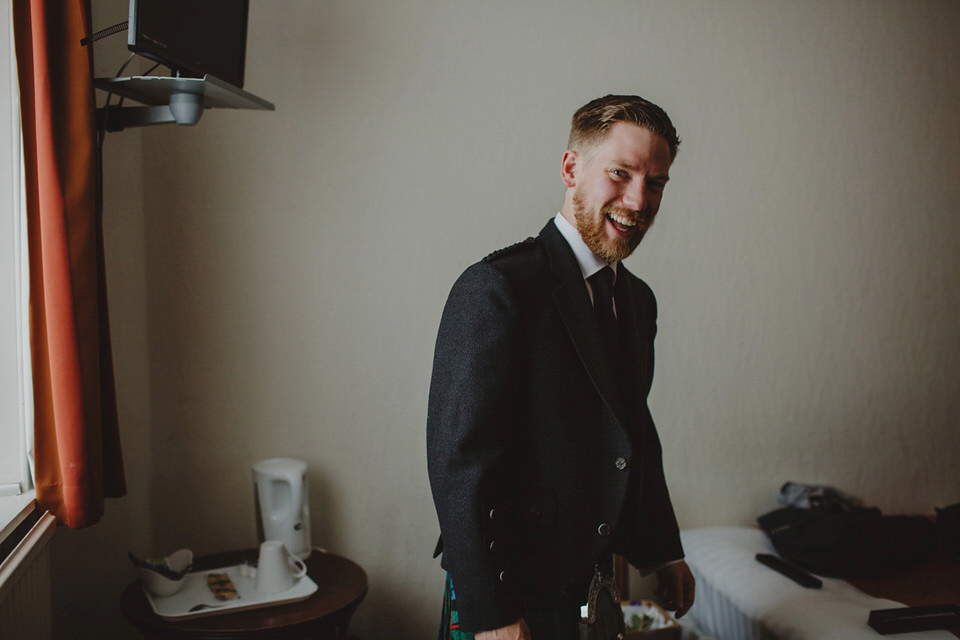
(15, 393)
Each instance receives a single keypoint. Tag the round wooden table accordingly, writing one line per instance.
(341, 583)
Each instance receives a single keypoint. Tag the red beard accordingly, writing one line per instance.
(592, 230)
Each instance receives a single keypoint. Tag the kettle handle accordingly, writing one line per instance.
(296, 481)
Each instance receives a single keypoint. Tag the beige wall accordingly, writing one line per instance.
(276, 279)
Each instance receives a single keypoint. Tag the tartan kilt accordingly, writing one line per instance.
(556, 621)
(450, 620)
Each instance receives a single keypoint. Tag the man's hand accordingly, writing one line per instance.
(675, 591)
(516, 631)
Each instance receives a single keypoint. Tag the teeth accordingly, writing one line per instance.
(622, 220)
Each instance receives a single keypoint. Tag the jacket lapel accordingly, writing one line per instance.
(573, 303)
(634, 339)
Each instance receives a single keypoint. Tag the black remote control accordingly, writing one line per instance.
(793, 572)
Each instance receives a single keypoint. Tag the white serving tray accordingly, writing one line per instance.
(195, 591)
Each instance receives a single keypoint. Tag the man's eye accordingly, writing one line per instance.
(620, 173)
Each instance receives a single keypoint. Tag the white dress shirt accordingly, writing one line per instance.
(587, 259)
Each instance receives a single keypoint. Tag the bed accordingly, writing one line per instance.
(738, 598)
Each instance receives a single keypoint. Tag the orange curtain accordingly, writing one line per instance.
(77, 443)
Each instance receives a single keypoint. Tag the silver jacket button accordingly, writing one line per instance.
(604, 529)
(621, 463)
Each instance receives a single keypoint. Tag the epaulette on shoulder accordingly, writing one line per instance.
(525, 244)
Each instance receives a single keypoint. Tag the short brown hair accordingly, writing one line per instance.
(592, 120)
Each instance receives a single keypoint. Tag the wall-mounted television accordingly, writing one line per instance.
(192, 37)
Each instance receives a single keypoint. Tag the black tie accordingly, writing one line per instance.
(602, 284)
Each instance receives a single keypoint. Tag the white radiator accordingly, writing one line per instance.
(25, 585)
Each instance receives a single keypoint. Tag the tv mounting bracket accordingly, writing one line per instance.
(170, 99)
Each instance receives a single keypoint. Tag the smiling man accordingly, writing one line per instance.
(614, 187)
(543, 456)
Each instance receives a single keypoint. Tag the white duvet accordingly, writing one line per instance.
(737, 598)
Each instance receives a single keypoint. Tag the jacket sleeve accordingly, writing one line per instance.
(660, 544)
(469, 424)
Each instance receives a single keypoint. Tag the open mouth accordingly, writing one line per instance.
(622, 223)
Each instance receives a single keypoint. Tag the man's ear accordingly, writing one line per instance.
(569, 166)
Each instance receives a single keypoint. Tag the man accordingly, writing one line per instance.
(542, 453)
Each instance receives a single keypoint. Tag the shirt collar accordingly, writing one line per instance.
(587, 260)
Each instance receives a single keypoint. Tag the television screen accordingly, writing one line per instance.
(192, 37)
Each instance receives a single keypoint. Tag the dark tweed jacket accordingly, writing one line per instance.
(541, 460)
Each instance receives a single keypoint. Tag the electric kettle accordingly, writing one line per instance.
(282, 503)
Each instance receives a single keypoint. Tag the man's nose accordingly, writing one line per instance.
(634, 197)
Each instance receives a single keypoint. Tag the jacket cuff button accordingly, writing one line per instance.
(503, 576)
(604, 529)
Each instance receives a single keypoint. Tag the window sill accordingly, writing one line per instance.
(13, 511)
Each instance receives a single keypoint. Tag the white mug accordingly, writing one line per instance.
(277, 567)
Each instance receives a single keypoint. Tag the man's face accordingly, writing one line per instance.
(617, 186)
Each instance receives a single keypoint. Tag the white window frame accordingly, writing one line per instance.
(16, 403)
